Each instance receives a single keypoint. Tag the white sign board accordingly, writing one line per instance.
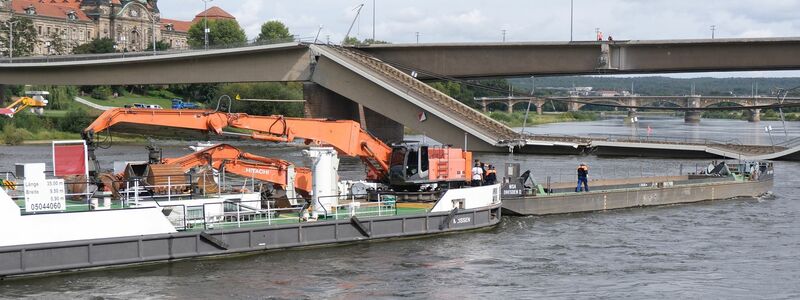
(45, 195)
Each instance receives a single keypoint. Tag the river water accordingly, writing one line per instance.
(741, 248)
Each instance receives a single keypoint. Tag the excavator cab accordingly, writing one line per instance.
(409, 165)
(413, 164)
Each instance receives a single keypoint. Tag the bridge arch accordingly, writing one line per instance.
(523, 105)
(497, 106)
(592, 105)
(721, 103)
(662, 103)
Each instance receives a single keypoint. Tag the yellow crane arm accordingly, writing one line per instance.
(20, 105)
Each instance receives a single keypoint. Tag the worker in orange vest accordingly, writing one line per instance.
(491, 176)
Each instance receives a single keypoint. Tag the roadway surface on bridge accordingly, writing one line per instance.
(480, 60)
(666, 147)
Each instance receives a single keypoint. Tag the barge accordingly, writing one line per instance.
(168, 219)
(719, 181)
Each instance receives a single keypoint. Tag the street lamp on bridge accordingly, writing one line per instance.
(11, 38)
(205, 23)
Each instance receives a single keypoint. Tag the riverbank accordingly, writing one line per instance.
(768, 115)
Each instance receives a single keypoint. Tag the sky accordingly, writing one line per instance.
(399, 21)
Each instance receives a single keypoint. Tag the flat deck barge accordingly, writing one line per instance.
(730, 181)
(123, 232)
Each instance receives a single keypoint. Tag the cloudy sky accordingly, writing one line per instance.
(398, 21)
(532, 20)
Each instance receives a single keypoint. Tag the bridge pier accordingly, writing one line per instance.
(573, 106)
(324, 103)
(754, 115)
(631, 118)
(692, 116)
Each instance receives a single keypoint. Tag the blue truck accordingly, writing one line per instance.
(178, 103)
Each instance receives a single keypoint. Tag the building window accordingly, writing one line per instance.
(48, 30)
(30, 10)
(40, 29)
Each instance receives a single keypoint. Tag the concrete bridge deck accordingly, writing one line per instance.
(659, 147)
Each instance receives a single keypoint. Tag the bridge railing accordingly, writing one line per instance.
(791, 143)
(128, 54)
(663, 139)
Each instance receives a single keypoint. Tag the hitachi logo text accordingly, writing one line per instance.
(256, 171)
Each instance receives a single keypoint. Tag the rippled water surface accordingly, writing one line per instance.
(741, 248)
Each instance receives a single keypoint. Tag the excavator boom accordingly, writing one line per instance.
(279, 172)
(345, 136)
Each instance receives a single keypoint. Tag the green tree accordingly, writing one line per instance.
(268, 90)
(25, 36)
(457, 91)
(274, 31)
(351, 41)
(221, 33)
(60, 98)
(101, 92)
(200, 92)
(57, 45)
(160, 46)
(374, 42)
(102, 45)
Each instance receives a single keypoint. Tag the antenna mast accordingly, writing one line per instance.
(358, 12)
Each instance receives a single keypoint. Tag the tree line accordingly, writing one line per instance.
(222, 33)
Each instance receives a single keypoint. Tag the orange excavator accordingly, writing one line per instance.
(282, 173)
(404, 166)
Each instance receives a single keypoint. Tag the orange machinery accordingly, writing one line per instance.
(223, 156)
(346, 136)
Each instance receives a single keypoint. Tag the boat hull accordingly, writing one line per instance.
(627, 198)
(75, 255)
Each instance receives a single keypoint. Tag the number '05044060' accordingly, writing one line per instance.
(44, 206)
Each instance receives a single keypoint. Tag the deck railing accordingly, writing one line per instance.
(210, 214)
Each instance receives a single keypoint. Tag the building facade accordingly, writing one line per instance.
(132, 24)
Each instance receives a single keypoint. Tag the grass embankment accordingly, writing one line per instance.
(769, 115)
(53, 125)
(516, 119)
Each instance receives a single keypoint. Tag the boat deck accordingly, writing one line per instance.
(234, 216)
(564, 188)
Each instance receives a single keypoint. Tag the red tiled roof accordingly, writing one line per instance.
(50, 8)
(213, 13)
(177, 25)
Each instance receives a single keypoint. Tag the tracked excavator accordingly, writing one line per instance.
(403, 167)
(295, 181)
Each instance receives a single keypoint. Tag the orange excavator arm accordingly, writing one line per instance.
(262, 168)
(345, 136)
